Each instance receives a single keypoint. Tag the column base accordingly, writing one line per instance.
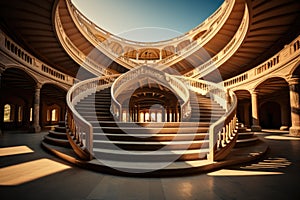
(284, 128)
(255, 128)
(35, 129)
(295, 131)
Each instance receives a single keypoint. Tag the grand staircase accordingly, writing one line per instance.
(203, 133)
(148, 142)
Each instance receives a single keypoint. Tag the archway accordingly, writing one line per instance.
(270, 115)
(17, 91)
(53, 104)
(274, 103)
(244, 107)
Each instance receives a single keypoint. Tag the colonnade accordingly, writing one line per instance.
(162, 114)
(289, 111)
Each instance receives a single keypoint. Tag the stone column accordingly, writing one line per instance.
(255, 118)
(36, 108)
(295, 106)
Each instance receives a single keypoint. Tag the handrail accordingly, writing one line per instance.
(221, 132)
(80, 128)
(203, 87)
(279, 59)
(173, 83)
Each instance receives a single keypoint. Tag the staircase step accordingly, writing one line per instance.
(62, 123)
(151, 131)
(61, 129)
(57, 141)
(58, 135)
(145, 137)
(150, 124)
(151, 145)
(150, 156)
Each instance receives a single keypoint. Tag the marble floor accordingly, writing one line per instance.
(28, 172)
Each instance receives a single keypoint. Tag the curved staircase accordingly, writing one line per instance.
(151, 147)
(142, 142)
(58, 136)
(204, 134)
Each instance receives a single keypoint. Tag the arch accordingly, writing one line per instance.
(183, 44)
(57, 84)
(130, 52)
(198, 35)
(167, 51)
(21, 68)
(149, 54)
(269, 78)
(296, 69)
(273, 102)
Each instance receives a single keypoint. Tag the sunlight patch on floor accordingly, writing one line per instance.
(8, 151)
(29, 171)
(229, 172)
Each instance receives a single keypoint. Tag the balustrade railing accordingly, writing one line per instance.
(79, 128)
(199, 43)
(223, 131)
(219, 12)
(90, 30)
(173, 83)
(278, 60)
(28, 60)
(224, 54)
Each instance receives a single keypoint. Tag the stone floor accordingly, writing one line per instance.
(28, 172)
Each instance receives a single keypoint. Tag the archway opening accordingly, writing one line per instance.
(270, 115)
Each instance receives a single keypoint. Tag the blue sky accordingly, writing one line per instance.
(151, 20)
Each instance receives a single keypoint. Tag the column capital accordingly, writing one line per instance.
(294, 80)
(38, 86)
(254, 91)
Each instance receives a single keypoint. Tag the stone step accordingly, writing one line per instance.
(57, 141)
(151, 145)
(151, 124)
(150, 131)
(61, 129)
(150, 156)
(142, 137)
(59, 135)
